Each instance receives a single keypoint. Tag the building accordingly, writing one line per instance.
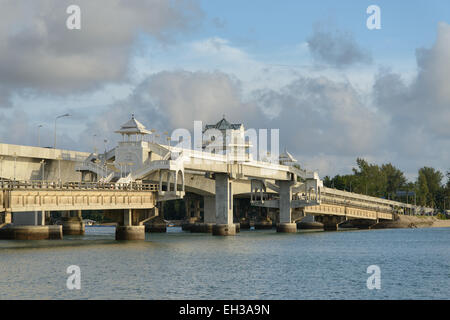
(227, 139)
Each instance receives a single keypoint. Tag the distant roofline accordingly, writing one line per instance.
(223, 124)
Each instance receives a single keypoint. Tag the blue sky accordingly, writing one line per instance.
(265, 25)
(311, 68)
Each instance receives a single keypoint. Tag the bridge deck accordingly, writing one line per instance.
(18, 196)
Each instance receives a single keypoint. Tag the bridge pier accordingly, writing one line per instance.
(127, 231)
(72, 225)
(330, 223)
(263, 221)
(192, 214)
(286, 224)
(157, 223)
(224, 206)
(209, 216)
(34, 229)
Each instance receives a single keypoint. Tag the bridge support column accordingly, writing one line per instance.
(209, 216)
(40, 218)
(73, 225)
(263, 221)
(286, 224)
(5, 217)
(224, 206)
(127, 231)
(156, 224)
(190, 219)
(330, 223)
(209, 209)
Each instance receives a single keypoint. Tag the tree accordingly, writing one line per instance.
(429, 184)
(395, 179)
(370, 179)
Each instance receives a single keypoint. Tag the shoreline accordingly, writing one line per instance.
(405, 222)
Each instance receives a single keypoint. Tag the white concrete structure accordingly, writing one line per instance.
(214, 175)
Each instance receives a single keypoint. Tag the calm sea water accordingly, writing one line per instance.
(414, 263)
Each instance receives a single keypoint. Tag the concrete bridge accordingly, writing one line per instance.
(130, 204)
(137, 174)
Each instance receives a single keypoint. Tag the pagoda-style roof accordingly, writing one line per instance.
(133, 126)
(224, 125)
(287, 157)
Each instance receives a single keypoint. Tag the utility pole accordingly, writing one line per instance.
(1, 169)
(15, 160)
(39, 134)
(58, 117)
(43, 169)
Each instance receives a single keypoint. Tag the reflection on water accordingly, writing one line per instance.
(415, 264)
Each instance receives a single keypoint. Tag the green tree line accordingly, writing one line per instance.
(384, 181)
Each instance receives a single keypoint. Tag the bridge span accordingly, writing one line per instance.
(136, 175)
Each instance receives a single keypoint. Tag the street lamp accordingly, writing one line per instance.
(43, 169)
(95, 143)
(61, 116)
(15, 160)
(39, 135)
(105, 141)
(59, 168)
(1, 169)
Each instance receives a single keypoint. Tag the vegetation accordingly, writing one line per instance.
(386, 180)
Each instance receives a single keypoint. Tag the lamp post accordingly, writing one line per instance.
(43, 169)
(39, 134)
(61, 116)
(105, 141)
(1, 169)
(59, 168)
(153, 135)
(15, 160)
(97, 161)
(95, 143)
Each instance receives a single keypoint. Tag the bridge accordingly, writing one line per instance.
(138, 174)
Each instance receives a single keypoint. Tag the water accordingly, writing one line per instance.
(414, 263)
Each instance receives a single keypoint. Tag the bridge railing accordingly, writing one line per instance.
(50, 185)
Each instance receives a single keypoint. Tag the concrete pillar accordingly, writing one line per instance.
(31, 232)
(197, 210)
(6, 217)
(187, 205)
(157, 223)
(127, 217)
(286, 224)
(224, 206)
(187, 224)
(263, 221)
(330, 223)
(128, 231)
(72, 225)
(160, 180)
(209, 216)
(40, 217)
(209, 208)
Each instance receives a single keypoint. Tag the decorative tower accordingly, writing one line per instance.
(227, 139)
(132, 151)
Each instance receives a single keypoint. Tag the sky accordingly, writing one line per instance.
(334, 88)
